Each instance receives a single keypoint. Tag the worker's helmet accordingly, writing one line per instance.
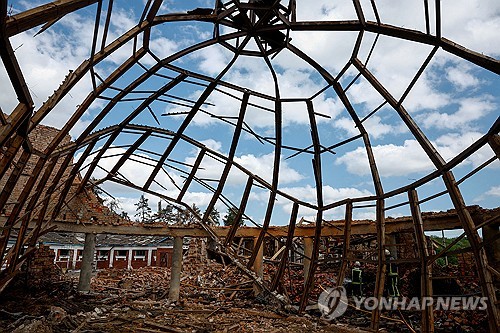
(387, 252)
(357, 264)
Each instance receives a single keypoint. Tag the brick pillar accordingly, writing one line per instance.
(175, 275)
(87, 263)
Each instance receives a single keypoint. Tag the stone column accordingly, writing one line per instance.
(258, 268)
(175, 275)
(87, 263)
(129, 259)
(111, 257)
(75, 258)
(150, 256)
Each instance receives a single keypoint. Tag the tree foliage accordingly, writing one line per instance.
(452, 259)
(171, 214)
(113, 205)
(214, 217)
(231, 216)
(143, 210)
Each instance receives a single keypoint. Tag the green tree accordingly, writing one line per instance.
(230, 216)
(113, 205)
(452, 259)
(214, 217)
(96, 190)
(191, 216)
(166, 214)
(124, 215)
(143, 210)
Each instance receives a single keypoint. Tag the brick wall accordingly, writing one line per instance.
(39, 138)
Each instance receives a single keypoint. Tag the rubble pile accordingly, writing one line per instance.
(216, 297)
(141, 309)
(152, 279)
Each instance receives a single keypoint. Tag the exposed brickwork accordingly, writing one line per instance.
(39, 138)
(407, 245)
(196, 252)
(41, 268)
(84, 207)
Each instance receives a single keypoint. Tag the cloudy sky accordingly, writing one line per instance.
(454, 102)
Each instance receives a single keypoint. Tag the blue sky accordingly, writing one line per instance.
(454, 102)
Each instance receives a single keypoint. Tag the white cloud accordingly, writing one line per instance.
(308, 194)
(293, 83)
(212, 144)
(452, 144)
(374, 126)
(135, 169)
(47, 58)
(469, 111)
(426, 95)
(330, 195)
(472, 23)
(263, 166)
(392, 160)
(212, 59)
(410, 158)
(260, 165)
(461, 77)
(494, 191)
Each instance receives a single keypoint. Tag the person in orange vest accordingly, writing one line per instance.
(357, 280)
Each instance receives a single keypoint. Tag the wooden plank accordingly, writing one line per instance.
(309, 271)
(381, 264)
(31, 18)
(484, 274)
(346, 244)
(427, 319)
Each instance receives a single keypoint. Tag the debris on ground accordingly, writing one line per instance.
(215, 296)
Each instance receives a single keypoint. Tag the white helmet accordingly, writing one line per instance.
(387, 252)
(357, 264)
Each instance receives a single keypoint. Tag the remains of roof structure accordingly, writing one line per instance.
(49, 180)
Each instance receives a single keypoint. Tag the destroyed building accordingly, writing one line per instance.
(342, 140)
